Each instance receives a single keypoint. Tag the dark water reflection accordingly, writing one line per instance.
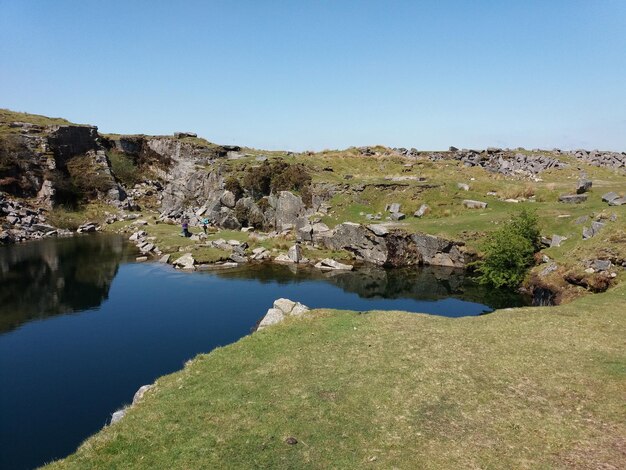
(61, 376)
(50, 277)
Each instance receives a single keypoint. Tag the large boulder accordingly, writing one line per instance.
(288, 208)
(395, 248)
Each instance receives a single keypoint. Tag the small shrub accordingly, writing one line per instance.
(273, 176)
(509, 251)
(124, 168)
(87, 176)
(233, 185)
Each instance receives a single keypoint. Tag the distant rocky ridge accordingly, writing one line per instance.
(38, 162)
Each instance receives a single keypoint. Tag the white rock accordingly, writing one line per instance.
(185, 262)
(272, 317)
(285, 305)
(378, 229)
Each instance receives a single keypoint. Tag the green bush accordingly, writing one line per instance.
(233, 185)
(124, 168)
(275, 175)
(509, 251)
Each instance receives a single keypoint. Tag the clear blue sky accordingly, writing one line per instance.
(325, 74)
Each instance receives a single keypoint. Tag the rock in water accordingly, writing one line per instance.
(332, 264)
(185, 262)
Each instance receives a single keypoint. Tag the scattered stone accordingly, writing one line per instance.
(397, 216)
(584, 185)
(141, 258)
(548, 269)
(581, 220)
(378, 229)
(618, 202)
(556, 240)
(470, 204)
(608, 197)
(463, 186)
(291, 440)
(573, 198)
(393, 208)
(601, 264)
(330, 264)
(165, 259)
(590, 270)
(185, 262)
(422, 211)
(237, 258)
(89, 227)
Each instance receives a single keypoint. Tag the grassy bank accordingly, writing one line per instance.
(519, 388)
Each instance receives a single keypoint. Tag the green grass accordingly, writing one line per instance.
(519, 388)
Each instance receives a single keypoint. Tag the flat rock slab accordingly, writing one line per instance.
(573, 198)
(471, 204)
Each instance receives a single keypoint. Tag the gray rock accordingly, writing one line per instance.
(397, 216)
(332, 264)
(601, 264)
(284, 305)
(471, 204)
(238, 258)
(587, 233)
(573, 198)
(165, 259)
(393, 208)
(581, 220)
(548, 269)
(289, 208)
(185, 262)
(583, 186)
(378, 229)
(295, 253)
(228, 199)
(422, 211)
(557, 239)
(140, 393)
(608, 197)
(620, 201)
(305, 233)
(463, 186)
(272, 317)
(118, 415)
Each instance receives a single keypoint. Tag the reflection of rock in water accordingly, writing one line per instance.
(50, 277)
(368, 281)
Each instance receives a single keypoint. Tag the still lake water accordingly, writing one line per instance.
(82, 326)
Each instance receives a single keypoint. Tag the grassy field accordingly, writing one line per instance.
(519, 388)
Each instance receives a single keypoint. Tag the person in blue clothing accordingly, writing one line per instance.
(205, 225)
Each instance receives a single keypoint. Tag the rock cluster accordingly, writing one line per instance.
(20, 222)
(282, 309)
(501, 161)
(613, 160)
(394, 248)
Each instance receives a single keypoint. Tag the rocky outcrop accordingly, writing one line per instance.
(614, 160)
(395, 248)
(282, 309)
(505, 162)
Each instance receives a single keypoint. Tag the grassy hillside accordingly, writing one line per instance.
(519, 388)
